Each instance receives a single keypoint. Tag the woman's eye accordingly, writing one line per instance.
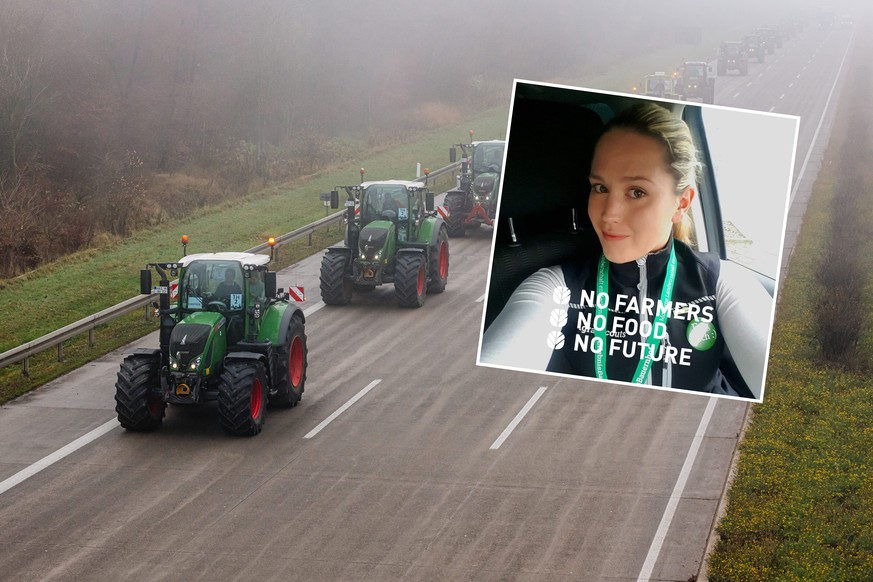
(636, 193)
(599, 188)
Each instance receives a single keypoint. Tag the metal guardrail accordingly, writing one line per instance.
(89, 323)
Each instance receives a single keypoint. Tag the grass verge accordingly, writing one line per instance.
(801, 505)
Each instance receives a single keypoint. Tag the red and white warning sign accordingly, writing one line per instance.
(296, 294)
(174, 289)
(443, 211)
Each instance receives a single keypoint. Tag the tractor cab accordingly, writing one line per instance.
(393, 207)
(488, 157)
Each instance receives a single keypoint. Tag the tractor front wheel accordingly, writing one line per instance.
(410, 279)
(242, 397)
(335, 288)
(291, 367)
(438, 265)
(138, 400)
(457, 209)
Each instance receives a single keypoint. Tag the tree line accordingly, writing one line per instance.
(118, 114)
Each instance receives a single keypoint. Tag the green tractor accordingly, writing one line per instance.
(733, 56)
(231, 336)
(394, 235)
(754, 47)
(474, 200)
(660, 85)
(696, 81)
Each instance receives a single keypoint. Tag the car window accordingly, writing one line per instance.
(751, 157)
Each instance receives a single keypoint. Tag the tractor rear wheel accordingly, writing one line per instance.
(242, 397)
(291, 367)
(438, 266)
(410, 279)
(138, 400)
(335, 288)
(455, 220)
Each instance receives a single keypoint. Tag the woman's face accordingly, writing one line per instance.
(633, 202)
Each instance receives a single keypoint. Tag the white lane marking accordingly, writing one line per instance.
(312, 309)
(782, 96)
(341, 409)
(56, 456)
(518, 417)
(88, 438)
(675, 496)
(798, 76)
(481, 299)
(737, 94)
(772, 108)
(790, 85)
(820, 121)
(749, 84)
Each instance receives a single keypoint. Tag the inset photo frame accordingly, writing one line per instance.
(638, 240)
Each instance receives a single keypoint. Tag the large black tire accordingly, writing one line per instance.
(291, 367)
(438, 264)
(335, 288)
(138, 400)
(410, 279)
(457, 211)
(242, 397)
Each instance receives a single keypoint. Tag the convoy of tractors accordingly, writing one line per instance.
(695, 80)
(228, 335)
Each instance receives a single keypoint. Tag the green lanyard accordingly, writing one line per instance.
(651, 341)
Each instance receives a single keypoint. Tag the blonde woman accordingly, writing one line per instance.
(644, 307)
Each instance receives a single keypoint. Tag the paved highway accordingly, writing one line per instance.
(434, 469)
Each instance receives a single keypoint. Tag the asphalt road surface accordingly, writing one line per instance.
(404, 460)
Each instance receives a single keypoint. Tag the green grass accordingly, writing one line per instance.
(801, 505)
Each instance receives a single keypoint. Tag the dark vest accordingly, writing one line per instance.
(691, 348)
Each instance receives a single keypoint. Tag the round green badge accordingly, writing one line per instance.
(701, 335)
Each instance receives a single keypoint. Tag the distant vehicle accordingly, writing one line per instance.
(768, 39)
(825, 17)
(474, 201)
(696, 82)
(397, 237)
(661, 85)
(754, 47)
(847, 21)
(732, 56)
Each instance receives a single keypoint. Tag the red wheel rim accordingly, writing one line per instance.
(421, 279)
(155, 405)
(257, 395)
(295, 361)
(444, 260)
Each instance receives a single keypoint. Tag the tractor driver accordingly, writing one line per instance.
(227, 288)
(393, 201)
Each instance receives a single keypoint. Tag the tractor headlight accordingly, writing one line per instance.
(195, 363)
(174, 363)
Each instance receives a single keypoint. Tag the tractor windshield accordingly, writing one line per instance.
(695, 71)
(733, 49)
(385, 202)
(656, 84)
(487, 157)
(213, 286)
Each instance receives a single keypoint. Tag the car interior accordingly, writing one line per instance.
(542, 216)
